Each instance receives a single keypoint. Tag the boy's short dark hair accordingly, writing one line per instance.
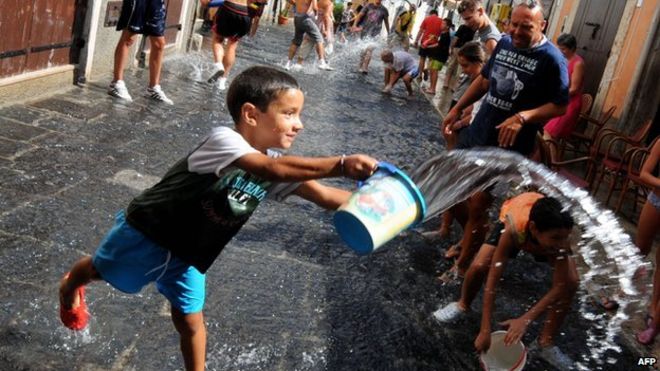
(548, 213)
(433, 12)
(470, 5)
(259, 85)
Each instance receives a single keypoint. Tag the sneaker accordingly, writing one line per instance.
(297, 67)
(220, 71)
(449, 313)
(157, 94)
(118, 89)
(323, 65)
(553, 355)
(222, 83)
(287, 66)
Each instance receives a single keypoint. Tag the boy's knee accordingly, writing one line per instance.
(188, 324)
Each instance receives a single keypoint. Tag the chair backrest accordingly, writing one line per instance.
(606, 116)
(545, 152)
(642, 132)
(587, 101)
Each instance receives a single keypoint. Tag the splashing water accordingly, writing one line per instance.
(452, 177)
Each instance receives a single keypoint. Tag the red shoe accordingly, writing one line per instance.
(78, 317)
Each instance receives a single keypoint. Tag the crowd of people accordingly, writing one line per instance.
(513, 82)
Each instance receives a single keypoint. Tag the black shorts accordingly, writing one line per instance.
(232, 21)
(145, 17)
(424, 52)
(494, 239)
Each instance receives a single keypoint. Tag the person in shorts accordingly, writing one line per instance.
(172, 233)
(231, 23)
(255, 11)
(305, 24)
(398, 65)
(428, 34)
(540, 226)
(370, 25)
(145, 17)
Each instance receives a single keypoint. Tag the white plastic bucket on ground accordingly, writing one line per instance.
(501, 357)
(387, 203)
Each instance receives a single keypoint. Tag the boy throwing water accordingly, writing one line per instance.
(171, 233)
(537, 225)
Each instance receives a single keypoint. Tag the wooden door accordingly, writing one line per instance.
(595, 27)
(38, 34)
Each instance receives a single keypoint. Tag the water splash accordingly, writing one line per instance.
(452, 177)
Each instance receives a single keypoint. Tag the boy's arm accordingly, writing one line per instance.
(500, 257)
(325, 196)
(300, 169)
(560, 277)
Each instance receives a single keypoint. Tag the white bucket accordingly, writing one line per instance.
(501, 357)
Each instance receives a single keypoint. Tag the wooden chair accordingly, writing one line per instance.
(632, 180)
(548, 150)
(581, 141)
(617, 152)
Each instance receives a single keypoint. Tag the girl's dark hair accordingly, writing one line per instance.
(567, 40)
(259, 85)
(547, 213)
(473, 52)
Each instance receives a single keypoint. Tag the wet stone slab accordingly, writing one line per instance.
(20, 132)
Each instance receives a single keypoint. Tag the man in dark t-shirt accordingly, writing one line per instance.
(524, 83)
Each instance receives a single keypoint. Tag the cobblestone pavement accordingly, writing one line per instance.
(286, 294)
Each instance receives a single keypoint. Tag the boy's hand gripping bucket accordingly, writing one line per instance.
(501, 357)
(387, 203)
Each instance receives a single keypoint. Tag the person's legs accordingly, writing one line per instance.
(320, 51)
(218, 48)
(557, 311)
(647, 228)
(254, 25)
(420, 68)
(192, 335)
(475, 228)
(476, 275)
(366, 58)
(156, 59)
(407, 81)
(82, 273)
(126, 40)
(230, 54)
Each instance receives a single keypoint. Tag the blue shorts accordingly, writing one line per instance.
(413, 73)
(145, 17)
(128, 261)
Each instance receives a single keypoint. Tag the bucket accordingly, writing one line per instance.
(502, 357)
(385, 205)
(281, 20)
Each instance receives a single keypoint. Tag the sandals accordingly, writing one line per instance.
(78, 317)
(453, 252)
(647, 336)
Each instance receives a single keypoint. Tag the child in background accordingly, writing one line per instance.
(471, 58)
(537, 225)
(438, 55)
(171, 233)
